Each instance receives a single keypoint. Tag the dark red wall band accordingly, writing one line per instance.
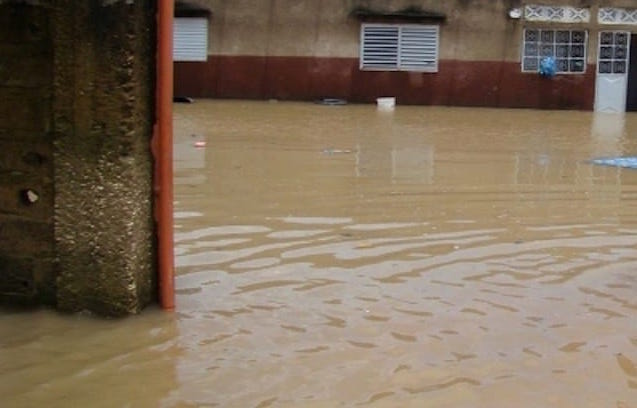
(458, 83)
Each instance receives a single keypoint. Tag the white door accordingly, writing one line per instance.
(612, 71)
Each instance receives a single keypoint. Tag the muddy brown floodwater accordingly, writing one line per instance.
(340, 256)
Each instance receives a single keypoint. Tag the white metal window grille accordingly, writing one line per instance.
(568, 47)
(610, 15)
(190, 39)
(557, 14)
(613, 52)
(409, 47)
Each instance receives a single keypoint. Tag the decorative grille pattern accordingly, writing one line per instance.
(610, 15)
(568, 47)
(613, 52)
(557, 14)
(409, 47)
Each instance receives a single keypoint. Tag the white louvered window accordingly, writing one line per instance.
(407, 47)
(190, 39)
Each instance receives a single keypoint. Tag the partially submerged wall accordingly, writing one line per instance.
(307, 49)
(26, 155)
(76, 114)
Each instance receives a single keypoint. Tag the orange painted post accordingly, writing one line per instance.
(164, 154)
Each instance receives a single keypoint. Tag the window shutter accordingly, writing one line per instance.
(419, 48)
(190, 39)
(379, 47)
(399, 47)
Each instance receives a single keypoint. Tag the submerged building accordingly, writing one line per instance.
(456, 52)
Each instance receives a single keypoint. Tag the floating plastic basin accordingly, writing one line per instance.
(386, 103)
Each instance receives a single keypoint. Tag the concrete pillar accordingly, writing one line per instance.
(103, 92)
(76, 118)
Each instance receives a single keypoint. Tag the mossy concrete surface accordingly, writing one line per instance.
(92, 113)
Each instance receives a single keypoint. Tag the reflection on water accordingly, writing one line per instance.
(339, 256)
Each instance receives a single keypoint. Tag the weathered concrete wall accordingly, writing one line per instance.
(76, 114)
(102, 112)
(26, 157)
(307, 49)
(475, 30)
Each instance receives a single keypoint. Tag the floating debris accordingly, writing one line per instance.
(624, 162)
(183, 99)
(332, 101)
(330, 151)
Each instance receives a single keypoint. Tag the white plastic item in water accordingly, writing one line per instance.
(386, 102)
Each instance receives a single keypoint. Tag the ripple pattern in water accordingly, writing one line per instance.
(340, 256)
(444, 257)
(351, 312)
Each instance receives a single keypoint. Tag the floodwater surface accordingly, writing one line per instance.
(342, 256)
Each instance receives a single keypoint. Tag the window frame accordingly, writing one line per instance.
(554, 43)
(613, 46)
(400, 65)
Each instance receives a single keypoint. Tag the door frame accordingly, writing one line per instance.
(631, 96)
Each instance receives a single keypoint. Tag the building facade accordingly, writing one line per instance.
(457, 52)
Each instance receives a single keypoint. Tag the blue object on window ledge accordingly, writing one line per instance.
(625, 162)
(548, 67)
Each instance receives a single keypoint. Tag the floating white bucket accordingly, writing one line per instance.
(386, 103)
